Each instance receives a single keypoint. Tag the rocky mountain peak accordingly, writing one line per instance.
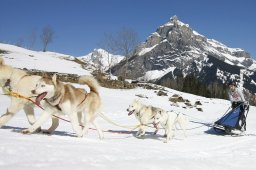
(96, 53)
(176, 49)
(176, 22)
(174, 18)
(178, 36)
(100, 59)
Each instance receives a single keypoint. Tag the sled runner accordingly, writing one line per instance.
(233, 122)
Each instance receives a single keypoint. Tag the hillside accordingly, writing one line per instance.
(56, 62)
(50, 61)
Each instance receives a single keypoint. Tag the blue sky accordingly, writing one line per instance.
(79, 25)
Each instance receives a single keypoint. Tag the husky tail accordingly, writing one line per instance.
(91, 82)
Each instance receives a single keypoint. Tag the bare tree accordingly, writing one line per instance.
(109, 47)
(47, 36)
(123, 42)
(32, 39)
(110, 62)
(98, 60)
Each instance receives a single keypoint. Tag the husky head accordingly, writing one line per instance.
(158, 118)
(45, 88)
(134, 107)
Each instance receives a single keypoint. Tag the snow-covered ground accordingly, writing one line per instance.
(155, 74)
(50, 61)
(60, 151)
(63, 151)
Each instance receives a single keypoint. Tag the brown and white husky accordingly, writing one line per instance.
(58, 97)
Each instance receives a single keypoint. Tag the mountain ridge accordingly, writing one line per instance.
(175, 49)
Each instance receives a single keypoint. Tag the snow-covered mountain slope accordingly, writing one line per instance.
(56, 62)
(189, 45)
(175, 49)
(101, 59)
(50, 61)
(63, 151)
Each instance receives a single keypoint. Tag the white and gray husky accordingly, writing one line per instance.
(19, 81)
(145, 115)
(168, 120)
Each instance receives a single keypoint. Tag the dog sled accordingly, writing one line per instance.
(233, 122)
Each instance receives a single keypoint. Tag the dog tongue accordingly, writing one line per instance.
(130, 113)
(40, 97)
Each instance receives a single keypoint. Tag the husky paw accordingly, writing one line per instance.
(26, 131)
(39, 130)
(80, 135)
(101, 137)
(47, 132)
(138, 134)
(166, 140)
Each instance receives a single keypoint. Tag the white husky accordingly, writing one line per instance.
(67, 99)
(144, 114)
(168, 120)
(22, 83)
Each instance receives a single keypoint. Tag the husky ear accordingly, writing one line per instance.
(137, 100)
(45, 75)
(54, 79)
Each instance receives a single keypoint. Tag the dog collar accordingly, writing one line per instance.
(55, 100)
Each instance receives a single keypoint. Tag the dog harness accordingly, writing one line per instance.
(51, 100)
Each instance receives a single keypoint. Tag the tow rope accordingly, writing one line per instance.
(9, 92)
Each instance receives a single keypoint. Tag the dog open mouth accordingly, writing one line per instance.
(40, 97)
(131, 112)
(155, 125)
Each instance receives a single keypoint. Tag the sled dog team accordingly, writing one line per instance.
(79, 105)
(157, 116)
